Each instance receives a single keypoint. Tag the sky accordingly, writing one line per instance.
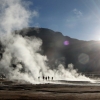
(78, 19)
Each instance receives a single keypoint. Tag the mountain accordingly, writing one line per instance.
(85, 55)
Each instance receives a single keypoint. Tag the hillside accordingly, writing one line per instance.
(85, 55)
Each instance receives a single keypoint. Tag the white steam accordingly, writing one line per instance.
(23, 51)
(14, 15)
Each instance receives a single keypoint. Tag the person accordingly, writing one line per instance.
(43, 77)
(48, 77)
(52, 78)
(38, 77)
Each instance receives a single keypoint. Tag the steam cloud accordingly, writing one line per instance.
(21, 60)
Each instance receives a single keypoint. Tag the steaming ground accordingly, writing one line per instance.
(21, 62)
(21, 59)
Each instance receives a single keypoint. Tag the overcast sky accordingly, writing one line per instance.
(75, 18)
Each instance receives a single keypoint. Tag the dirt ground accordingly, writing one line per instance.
(9, 91)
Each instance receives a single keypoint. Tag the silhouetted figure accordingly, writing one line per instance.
(52, 78)
(48, 77)
(38, 78)
(43, 77)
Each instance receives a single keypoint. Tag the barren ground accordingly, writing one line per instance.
(9, 91)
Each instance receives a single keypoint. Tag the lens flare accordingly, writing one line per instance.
(66, 42)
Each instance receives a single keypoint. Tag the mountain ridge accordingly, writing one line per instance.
(83, 54)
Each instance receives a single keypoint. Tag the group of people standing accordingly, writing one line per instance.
(46, 78)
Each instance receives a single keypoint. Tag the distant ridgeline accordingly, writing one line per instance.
(84, 55)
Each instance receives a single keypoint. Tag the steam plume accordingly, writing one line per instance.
(21, 60)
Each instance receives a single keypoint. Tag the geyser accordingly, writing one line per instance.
(21, 60)
(29, 64)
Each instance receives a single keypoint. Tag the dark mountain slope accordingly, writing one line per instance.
(85, 55)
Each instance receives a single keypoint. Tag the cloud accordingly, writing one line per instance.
(77, 13)
(88, 24)
(74, 18)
